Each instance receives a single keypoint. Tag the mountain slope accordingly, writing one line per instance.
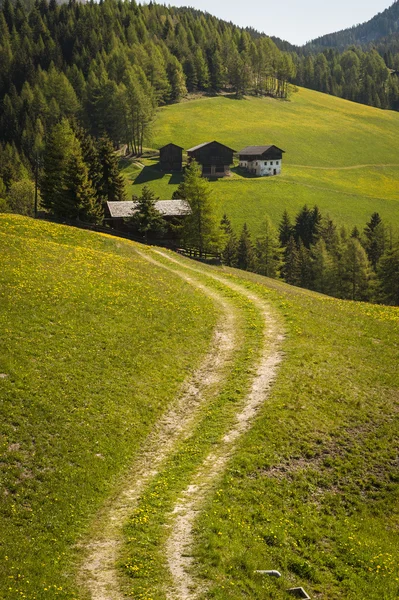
(340, 155)
(383, 24)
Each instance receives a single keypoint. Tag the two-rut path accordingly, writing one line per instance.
(99, 573)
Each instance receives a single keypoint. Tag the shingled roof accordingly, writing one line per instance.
(208, 144)
(255, 150)
(167, 208)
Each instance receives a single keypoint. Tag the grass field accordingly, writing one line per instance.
(313, 490)
(322, 136)
(93, 348)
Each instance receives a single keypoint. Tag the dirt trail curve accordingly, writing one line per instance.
(98, 573)
(180, 542)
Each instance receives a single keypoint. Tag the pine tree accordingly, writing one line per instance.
(388, 276)
(146, 219)
(111, 184)
(200, 229)
(268, 251)
(374, 239)
(229, 243)
(290, 269)
(245, 252)
(77, 199)
(285, 229)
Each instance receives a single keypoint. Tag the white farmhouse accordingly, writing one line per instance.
(262, 160)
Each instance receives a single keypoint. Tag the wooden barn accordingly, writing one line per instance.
(116, 213)
(215, 158)
(262, 160)
(171, 158)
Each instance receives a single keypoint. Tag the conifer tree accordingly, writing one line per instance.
(245, 252)
(285, 229)
(229, 243)
(60, 145)
(146, 219)
(111, 184)
(290, 269)
(323, 274)
(305, 271)
(77, 199)
(374, 239)
(268, 251)
(356, 271)
(200, 229)
(388, 276)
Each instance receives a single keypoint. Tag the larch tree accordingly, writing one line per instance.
(388, 276)
(60, 146)
(356, 275)
(268, 251)
(200, 229)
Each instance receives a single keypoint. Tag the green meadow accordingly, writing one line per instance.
(313, 488)
(93, 349)
(340, 155)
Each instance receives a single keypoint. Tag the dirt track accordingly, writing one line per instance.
(98, 573)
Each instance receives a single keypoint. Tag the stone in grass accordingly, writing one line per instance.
(298, 592)
(3, 375)
(270, 573)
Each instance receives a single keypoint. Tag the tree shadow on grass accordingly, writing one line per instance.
(148, 174)
(176, 178)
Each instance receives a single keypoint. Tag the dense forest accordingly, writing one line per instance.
(109, 65)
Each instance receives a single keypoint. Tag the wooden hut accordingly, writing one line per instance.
(171, 158)
(215, 158)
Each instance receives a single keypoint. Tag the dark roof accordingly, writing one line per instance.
(171, 144)
(167, 208)
(208, 144)
(253, 150)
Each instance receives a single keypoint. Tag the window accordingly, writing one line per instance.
(265, 164)
(271, 162)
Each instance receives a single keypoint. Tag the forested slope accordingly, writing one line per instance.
(108, 66)
(382, 25)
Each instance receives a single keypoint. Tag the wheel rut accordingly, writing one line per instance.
(180, 543)
(98, 573)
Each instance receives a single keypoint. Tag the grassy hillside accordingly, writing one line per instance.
(313, 489)
(93, 348)
(322, 136)
(95, 344)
